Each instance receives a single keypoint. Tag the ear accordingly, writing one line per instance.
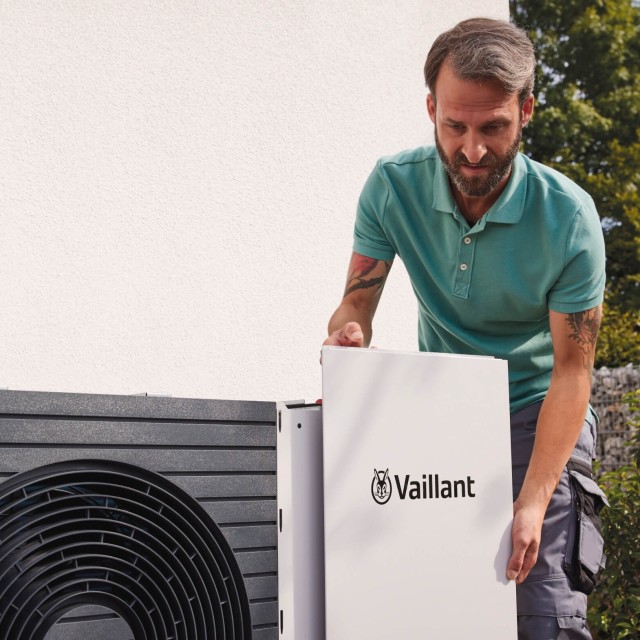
(431, 107)
(527, 110)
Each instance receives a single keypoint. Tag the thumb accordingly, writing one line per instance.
(352, 333)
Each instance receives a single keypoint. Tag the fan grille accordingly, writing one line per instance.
(94, 532)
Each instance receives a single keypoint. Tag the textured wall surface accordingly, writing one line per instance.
(179, 181)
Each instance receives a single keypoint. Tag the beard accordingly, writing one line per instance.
(479, 186)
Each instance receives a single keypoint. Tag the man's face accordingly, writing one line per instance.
(477, 131)
(495, 168)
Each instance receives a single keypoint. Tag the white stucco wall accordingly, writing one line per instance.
(178, 182)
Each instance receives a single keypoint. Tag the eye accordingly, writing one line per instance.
(493, 128)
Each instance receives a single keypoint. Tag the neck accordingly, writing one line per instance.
(473, 208)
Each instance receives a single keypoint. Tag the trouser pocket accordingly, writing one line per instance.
(558, 628)
(586, 556)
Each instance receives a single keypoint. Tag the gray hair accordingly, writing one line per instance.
(485, 49)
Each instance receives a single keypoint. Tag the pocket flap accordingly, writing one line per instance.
(591, 546)
(571, 622)
(589, 485)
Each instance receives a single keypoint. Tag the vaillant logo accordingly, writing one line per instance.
(381, 486)
(430, 487)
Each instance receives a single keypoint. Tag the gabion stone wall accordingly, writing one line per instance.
(608, 389)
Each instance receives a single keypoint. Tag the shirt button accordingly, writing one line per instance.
(463, 267)
(467, 240)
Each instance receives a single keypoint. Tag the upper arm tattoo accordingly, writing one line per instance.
(584, 327)
(360, 271)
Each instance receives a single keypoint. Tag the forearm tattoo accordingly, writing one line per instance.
(360, 271)
(584, 327)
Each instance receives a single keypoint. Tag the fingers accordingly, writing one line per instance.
(516, 561)
(522, 560)
(525, 538)
(348, 336)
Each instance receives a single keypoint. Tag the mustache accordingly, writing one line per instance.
(460, 159)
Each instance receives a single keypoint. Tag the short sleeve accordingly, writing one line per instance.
(581, 283)
(369, 238)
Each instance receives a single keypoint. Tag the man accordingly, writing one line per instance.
(506, 258)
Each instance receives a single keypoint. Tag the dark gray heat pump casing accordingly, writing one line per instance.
(127, 517)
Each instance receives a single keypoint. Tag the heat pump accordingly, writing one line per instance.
(150, 518)
(135, 517)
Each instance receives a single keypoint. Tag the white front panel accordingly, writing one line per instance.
(300, 523)
(430, 562)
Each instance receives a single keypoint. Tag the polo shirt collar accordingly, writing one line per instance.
(442, 196)
(507, 209)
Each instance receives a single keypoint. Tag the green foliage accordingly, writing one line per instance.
(619, 339)
(614, 608)
(588, 114)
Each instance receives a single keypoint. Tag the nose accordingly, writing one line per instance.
(473, 148)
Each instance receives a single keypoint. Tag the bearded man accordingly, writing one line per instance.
(506, 258)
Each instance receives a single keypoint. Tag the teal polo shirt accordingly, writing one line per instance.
(487, 289)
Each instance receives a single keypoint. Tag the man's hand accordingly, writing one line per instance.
(525, 536)
(350, 335)
(350, 325)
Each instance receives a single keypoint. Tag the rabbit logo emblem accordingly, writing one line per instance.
(381, 486)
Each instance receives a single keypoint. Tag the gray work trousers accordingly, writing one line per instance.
(550, 605)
